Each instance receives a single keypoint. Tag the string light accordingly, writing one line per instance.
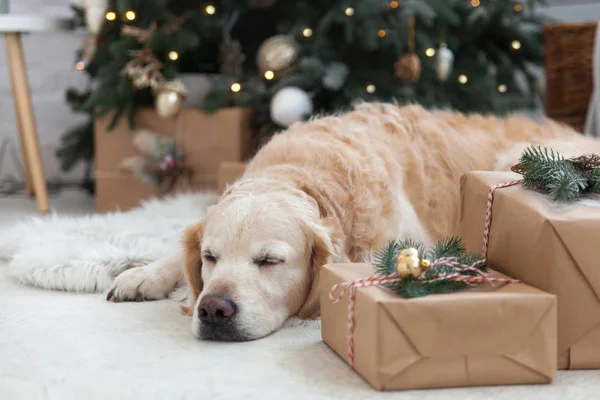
(475, 3)
(381, 33)
(80, 66)
(130, 15)
(210, 9)
(349, 11)
(516, 44)
(307, 32)
(502, 88)
(173, 55)
(111, 16)
(430, 52)
(518, 8)
(370, 88)
(236, 87)
(394, 4)
(462, 78)
(269, 75)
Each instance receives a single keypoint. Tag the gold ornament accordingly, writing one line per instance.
(280, 54)
(144, 70)
(408, 67)
(169, 97)
(410, 262)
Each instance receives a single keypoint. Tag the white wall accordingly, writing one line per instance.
(50, 64)
(50, 59)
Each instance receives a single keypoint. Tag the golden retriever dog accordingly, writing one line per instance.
(330, 190)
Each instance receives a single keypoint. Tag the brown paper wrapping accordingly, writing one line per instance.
(551, 246)
(229, 172)
(207, 140)
(500, 335)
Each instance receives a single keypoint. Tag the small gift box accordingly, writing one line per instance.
(492, 334)
(204, 141)
(550, 245)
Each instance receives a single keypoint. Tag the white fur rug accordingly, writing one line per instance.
(60, 345)
(84, 254)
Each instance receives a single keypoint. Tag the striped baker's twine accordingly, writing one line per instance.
(488, 213)
(457, 276)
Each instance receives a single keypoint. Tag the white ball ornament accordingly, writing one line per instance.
(290, 105)
(444, 62)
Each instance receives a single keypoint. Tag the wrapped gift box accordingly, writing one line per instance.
(207, 140)
(500, 335)
(551, 246)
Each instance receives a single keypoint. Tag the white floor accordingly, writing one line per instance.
(56, 345)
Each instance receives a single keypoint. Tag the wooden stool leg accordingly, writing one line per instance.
(27, 173)
(29, 138)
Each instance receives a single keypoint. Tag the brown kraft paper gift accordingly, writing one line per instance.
(229, 173)
(551, 246)
(499, 335)
(207, 140)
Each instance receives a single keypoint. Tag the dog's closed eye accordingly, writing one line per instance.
(209, 257)
(267, 260)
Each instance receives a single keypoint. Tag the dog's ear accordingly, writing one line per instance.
(192, 240)
(328, 247)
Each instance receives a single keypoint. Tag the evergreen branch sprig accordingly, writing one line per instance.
(563, 179)
(384, 261)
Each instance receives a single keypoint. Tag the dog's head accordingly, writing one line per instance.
(253, 262)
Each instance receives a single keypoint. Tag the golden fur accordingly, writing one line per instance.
(334, 188)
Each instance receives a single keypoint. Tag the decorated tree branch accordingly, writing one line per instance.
(563, 179)
(288, 59)
(444, 268)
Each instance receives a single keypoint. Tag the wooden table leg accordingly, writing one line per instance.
(26, 118)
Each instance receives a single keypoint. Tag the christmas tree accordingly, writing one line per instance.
(291, 59)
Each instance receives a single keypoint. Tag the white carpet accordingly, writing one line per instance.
(59, 345)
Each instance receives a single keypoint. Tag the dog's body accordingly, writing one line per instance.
(332, 189)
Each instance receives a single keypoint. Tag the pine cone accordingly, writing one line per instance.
(408, 68)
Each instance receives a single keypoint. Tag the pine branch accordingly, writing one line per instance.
(594, 181)
(384, 262)
(547, 170)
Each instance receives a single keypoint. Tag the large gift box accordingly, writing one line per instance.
(206, 141)
(551, 246)
(488, 335)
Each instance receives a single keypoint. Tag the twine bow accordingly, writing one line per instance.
(170, 172)
(470, 280)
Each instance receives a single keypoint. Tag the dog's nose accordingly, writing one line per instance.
(216, 310)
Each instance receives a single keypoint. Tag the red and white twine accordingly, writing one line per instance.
(488, 213)
(457, 276)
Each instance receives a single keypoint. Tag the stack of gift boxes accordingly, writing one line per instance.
(494, 334)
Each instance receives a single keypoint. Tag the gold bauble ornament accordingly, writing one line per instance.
(410, 262)
(411, 251)
(402, 268)
(169, 97)
(280, 54)
(408, 68)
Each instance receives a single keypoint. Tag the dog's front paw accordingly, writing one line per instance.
(138, 284)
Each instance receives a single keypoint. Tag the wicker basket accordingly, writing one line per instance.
(569, 79)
